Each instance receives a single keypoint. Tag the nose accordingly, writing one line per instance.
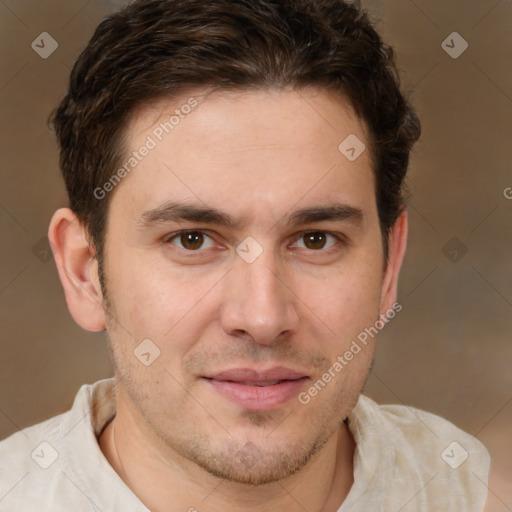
(258, 302)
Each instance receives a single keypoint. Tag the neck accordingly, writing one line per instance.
(158, 480)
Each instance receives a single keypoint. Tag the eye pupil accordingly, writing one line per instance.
(315, 240)
(192, 240)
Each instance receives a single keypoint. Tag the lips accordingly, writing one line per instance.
(254, 377)
(258, 389)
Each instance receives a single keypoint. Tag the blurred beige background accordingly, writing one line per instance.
(449, 351)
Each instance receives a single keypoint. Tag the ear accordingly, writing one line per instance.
(397, 246)
(78, 270)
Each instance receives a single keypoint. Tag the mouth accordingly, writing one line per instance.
(258, 390)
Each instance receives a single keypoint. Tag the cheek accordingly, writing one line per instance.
(158, 302)
(345, 302)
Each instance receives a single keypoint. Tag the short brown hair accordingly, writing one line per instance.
(162, 48)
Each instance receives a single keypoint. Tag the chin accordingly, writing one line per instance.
(251, 466)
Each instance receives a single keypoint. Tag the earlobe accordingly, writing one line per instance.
(78, 270)
(397, 247)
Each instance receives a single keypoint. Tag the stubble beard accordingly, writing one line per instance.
(239, 463)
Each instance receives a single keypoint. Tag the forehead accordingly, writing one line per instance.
(307, 113)
(238, 146)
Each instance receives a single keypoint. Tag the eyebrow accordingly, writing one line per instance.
(335, 212)
(175, 211)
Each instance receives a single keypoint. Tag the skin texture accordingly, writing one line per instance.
(257, 156)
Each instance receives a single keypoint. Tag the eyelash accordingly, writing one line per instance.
(341, 239)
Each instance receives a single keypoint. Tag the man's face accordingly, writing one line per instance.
(242, 333)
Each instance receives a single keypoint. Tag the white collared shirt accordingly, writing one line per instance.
(405, 460)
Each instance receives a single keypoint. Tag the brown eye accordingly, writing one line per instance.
(315, 240)
(319, 241)
(192, 240)
(189, 241)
